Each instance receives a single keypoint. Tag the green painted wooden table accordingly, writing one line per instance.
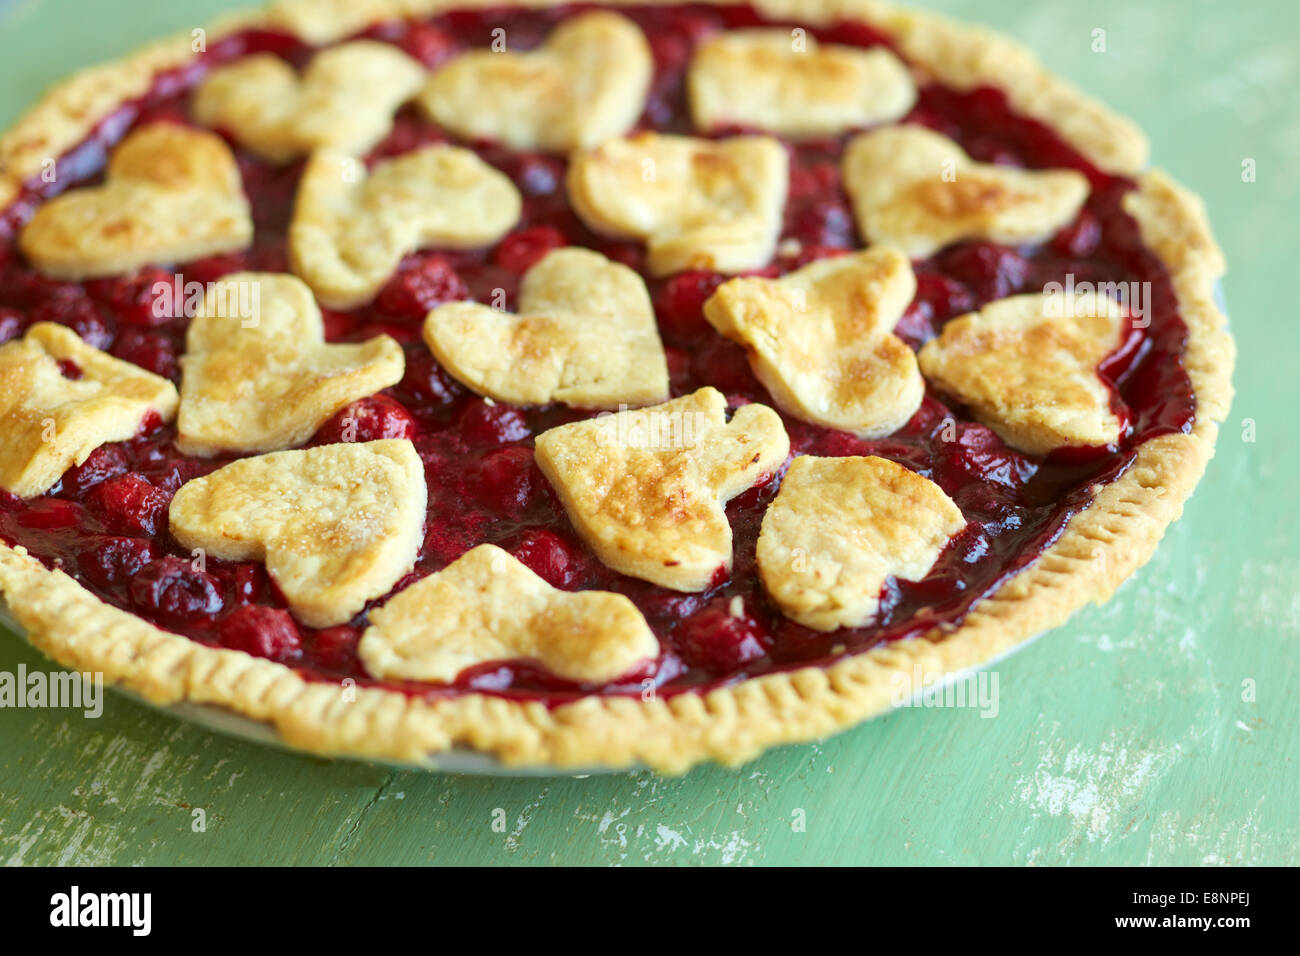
(1162, 728)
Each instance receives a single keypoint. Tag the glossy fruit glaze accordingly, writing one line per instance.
(106, 522)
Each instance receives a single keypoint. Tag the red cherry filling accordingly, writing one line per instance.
(522, 250)
(116, 560)
(335, 648)
(485, 422)
(368, 419)
(78, 313)
(968, 451)
(504, 480)
(938, 298)
(549, 557)
(992, 271)
(421, 284)
(129, 504)
(143, 299)
(719, 640)
(425, 382)
(12, 324)
(150, 351)
(1080, 238)
(106, 461)
(50, 514)
(679, 303)
(172, 590)
(268, 632)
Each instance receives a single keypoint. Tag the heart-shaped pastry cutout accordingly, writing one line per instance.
(586, 84)
(1027, 367)
(585, 336)
(257, 374)
(336, 525)
(344, 100)
(916, 189)
(350, 231)
(646, 488)
(821, 339)
(60, 399)
(697, 203)
(840, 527)
(171, 194)
(488, 606)
(789, 84)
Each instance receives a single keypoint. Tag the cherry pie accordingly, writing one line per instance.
(585, 385)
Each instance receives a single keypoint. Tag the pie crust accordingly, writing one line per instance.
(50, 421)
(351, 227)
(697, 203)
(487, 605)
(839, 527)
(1027, 368)
(344, 100)
(336, 525)
(821, 339)
(1100, 546)
(584, 85)
(918, 190)
(585, 336)
(169, 194)
(769, 80)
(264, 378)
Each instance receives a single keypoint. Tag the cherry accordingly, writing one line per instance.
(992, 149)
(824, 223)
(485, 422)
(504, 480)
(718, 640)
(524, 248)
(129, 504)
(837, 444)
(813, 179)
(975, 451)
(245, 582)
(106, 461)
(214, 267)
(427, 43)
(12, 324)
(723, 364)
(335, 648)
(420, 285)
(174, 591)
(855, 33)
(679, 303)
(445, 541)
(427, 382)
(50, 514)
(368, 419)
(938, 298)
(535, 174)
(132, 298)
(992, 271)
(410, 132)
(549, 557)
(116, 559)
(1080, 238)
(149, 351)
(268, 632)
(679, 369)
(78, 313)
